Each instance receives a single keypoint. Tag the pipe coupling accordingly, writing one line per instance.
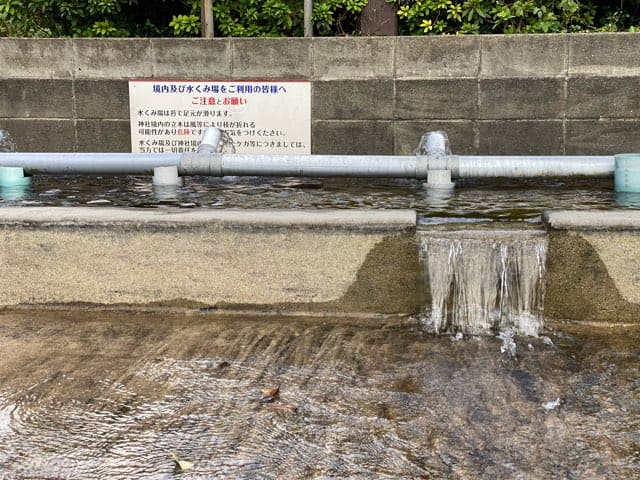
(427, 163)
(194, 163)
(422, 166)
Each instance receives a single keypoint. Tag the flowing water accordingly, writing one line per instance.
(484, 280)
(114, 395)
(471, 200)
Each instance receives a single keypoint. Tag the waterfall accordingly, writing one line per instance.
(484, 281)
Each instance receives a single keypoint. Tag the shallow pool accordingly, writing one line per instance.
(471, 200)
(114, 395)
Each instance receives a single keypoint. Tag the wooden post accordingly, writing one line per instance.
(206, 17)
(379, 18)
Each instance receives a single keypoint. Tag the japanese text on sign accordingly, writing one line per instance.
(259, 116)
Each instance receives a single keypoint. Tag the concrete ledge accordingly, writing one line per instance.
(171, 218)
(334, 261)
(593, 266)
(600, 54)
(592, 220)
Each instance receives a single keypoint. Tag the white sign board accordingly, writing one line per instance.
(259, 116)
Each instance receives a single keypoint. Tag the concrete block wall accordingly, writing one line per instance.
(537, 94)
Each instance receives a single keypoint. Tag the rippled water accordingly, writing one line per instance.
(112, 396)
(105, 395)
(496, 200)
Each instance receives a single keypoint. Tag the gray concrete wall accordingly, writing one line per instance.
(593, 266)
(324, 261)
(539, 94)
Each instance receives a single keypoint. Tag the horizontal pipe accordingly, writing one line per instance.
(533, 166)
(395, 166)
(223, 164)
(89, 163)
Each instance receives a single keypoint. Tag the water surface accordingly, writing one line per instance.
(472, 200)
(104, 395)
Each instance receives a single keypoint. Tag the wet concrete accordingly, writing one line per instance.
(111, 395)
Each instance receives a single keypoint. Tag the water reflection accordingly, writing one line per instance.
(166, 193)
(15, 193)
(628, 199)
(113, 396)
(438, 198)
(507, 200)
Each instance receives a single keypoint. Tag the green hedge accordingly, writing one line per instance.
(252, 18)
(420, 17)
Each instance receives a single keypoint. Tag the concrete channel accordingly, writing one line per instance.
(318, 262)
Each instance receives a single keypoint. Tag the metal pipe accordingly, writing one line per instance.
(308, 24)
(210, 140)
(392, 166)
(400, 166)
(89, 163)
(222, 164)
(533, 166)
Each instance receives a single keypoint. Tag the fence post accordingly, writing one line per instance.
(206, 17)
(308, 25)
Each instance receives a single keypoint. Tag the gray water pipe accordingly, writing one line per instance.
(435, 157)
(222, 164)
(434, 163)
(89, 163)
(478, 166)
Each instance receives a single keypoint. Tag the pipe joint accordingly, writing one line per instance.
(194, 163)
(210, 141)
(167, 176)
(422, 166)
(434, 160)
(438, 161)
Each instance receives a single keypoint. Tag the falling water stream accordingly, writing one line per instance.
(482, 281)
